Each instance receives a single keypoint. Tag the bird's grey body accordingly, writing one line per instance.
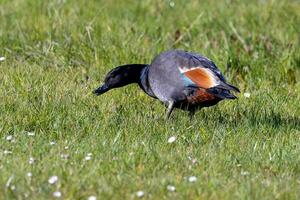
(168, 77)
(164, 73)
(177, 78)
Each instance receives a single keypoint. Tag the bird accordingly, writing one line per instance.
(179, 79)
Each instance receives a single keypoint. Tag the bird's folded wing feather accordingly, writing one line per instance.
(202, 77)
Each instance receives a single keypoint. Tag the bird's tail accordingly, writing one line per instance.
(222, 91)
(227, 86)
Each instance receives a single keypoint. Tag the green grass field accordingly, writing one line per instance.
(56, 52)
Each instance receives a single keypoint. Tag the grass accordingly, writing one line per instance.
(58, 51)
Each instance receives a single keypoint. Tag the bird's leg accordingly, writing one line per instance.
(170, 109)
(191, 114)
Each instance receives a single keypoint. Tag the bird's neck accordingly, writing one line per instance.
(135, 72)
(138, 73)
(144, 83)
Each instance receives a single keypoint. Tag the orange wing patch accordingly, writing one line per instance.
(201, 76)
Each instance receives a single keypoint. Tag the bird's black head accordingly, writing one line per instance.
(119, 77)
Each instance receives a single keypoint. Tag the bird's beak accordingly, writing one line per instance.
(104, 88)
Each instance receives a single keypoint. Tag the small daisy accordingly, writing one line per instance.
(92, 198)
(30, 133)
(115, 158)
(9, 181)
(172, 4)
(31, 160)
(9, 137)
(26, 194)
(244, 173)
(87, 157)
(192, 179)
(247, 94)
(64, 156)
(57, 194)
(140, 194)
(171, 188)
(29, 174)
(52, 180)
(193, 160)
(52, 143)
(171, 139)
(7, 152)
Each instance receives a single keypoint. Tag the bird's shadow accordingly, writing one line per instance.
(252, 117)
(270, 119)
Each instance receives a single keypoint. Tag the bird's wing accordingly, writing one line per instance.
(199, 60)
(199, 76)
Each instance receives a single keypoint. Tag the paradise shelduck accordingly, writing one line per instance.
(180, 79)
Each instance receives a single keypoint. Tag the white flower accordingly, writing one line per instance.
(2, 58)
(64, 156)
(171, 188)
(7, 152)
(26, 194)
(87, 157)
(9, 181)
(92, 198)
(193, 160)
(172, 139)
(115, 158)
(172, 4)
(247, 94)
(66, 147)
(53, 179)
(140, 193)
(29, 174)
(192, 179)
(9, 137)
(266, 182)
(244, 173)
(31, 160)
(30, 133)
(57, 194)
(52, 143)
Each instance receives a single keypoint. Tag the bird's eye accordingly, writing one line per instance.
(112, 76)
